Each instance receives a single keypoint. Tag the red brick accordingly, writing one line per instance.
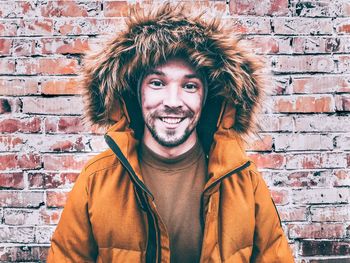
(21, 199)
(23, 47)
(292, 213)
(280, 197)
(316, 231)
(271, 161)
(61, 87)
(36, 180)
(56, 66)
(264, 44)
(67, 145)
(36, 27)
(59, 105)
(5, 46)
(23, 253)
(7, 65)
(63, 45)
(321, 84)
(244, 7)
(115, 8)
(324, 248)
(330, 213)
(343, 25)
(11, 180)
(50, 217)
(56, 199)
(8, 27)
(18, 87)
(304, 104)
(65, 162)
(16, 161)
(26, 125)
(342, 102)
(52, 180)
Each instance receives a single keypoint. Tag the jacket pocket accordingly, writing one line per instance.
(107, 255)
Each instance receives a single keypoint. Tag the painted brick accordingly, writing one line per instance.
(60, 105)
(321, 84)
(302, 64)
(16, 234)
(272, 123)
(21, 198)
(321, 196)
(341, 177)
(251, 25)
(88, 26)
(8, 27)
(62, 45)
(306, 142)
(28, 217)
(36, 27)
(342, 25)
(342, 102)
(61, 87)
(23, 253)
(18, 87)
(280, 196)
(43, 234)
(10, 143)
(316, 8)
(20, 161)
(64, 161)
(98, 144)
(321, 123)
(23, 47)
(69, 9)
(302, 26)
(316, 231)
(329, 213)
(7, 66)
(16, 9)
(244, 7)
(56, 199)
(342, 142)
(292, 213)
(315, 160)
(325, 248)
(11, 180)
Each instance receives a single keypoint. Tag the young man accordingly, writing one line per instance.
(176, 184)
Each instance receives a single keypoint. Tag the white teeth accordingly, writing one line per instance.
(171, 120)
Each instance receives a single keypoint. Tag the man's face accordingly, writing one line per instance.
(171, 100)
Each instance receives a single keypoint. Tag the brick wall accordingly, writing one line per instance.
(303, 149)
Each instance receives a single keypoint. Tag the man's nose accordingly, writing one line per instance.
(173, 97)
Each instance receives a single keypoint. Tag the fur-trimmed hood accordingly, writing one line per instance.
(111, 74)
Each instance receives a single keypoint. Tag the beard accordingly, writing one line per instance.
(170, 137)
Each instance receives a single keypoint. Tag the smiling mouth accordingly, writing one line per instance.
(171, 120)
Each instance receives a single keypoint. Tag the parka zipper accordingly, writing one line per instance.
(238, 169)
(146, 207)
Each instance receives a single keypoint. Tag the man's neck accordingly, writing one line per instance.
(169, 152)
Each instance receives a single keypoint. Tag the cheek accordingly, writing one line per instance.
(150, 99)
(194, 103)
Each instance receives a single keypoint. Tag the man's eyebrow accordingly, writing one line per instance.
(156, 72)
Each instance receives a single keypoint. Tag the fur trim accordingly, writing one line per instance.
(151, 37)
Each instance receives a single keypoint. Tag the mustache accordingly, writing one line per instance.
(173, 111)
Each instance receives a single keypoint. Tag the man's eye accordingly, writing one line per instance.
(191, 87)
(156, 83)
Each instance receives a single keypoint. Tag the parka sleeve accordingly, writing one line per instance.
(270, 243)
(73, 239)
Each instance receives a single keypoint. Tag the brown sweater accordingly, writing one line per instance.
(177, 185)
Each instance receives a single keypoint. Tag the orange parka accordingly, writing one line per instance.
(110, 215)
